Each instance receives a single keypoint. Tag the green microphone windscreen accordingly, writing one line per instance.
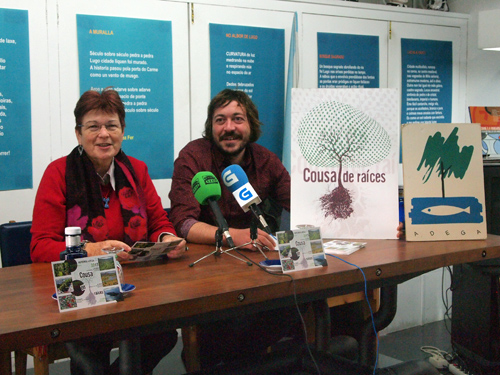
(204, 186)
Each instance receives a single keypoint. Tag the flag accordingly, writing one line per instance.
(290, 83)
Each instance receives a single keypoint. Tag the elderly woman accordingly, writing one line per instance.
(111, 197)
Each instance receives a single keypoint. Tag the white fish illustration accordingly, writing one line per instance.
(445, 210)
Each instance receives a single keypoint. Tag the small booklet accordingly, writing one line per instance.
(301, 249)
(86, 282)
(340, 247)
(143, 251)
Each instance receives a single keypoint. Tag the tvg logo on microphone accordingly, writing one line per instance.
(245, 194)
(229, 178)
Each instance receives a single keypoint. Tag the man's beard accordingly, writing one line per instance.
(228, 154)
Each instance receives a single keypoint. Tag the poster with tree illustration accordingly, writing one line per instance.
(443, 182)
(344, 161)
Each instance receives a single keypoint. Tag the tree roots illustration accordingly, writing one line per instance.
(337, 203)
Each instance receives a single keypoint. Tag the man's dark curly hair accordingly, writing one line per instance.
(225, 97)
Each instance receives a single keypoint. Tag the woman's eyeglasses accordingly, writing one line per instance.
(95, 128)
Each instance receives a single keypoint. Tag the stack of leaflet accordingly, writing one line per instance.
(340, 247)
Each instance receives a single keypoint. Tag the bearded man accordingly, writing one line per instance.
(231, 130)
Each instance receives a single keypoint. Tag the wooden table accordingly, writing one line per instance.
(215, 288)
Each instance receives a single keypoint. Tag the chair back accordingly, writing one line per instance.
(15, 241)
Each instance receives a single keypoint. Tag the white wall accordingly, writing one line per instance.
(18, 204)
(483, 67)
(420, 299)
(51, 94)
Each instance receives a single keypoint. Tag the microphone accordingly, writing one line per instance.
(206, 190)
(236, 180)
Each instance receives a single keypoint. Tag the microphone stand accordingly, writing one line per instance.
(218, 249)
(218, 240)
(253, 236)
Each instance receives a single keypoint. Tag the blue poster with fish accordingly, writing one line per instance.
(443, 182)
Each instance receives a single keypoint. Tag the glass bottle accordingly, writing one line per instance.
(73, 244)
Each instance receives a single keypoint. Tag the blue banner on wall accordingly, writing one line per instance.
(16, 165)
(135, 57)
(348, 61)
(252, 59)
(427, 78)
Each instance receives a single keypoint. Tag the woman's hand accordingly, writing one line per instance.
(95, 248)
(179, 249)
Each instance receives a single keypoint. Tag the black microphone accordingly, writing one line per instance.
(206, 190)
(236, 180)
(253, 229)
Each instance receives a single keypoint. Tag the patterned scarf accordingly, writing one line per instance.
(84, 205)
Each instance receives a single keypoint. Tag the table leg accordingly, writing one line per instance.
(323, 324)
(130, 356)
(5, 363)
(382, 318)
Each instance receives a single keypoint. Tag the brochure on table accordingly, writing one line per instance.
(340, 247)
(143, 251)
(301, 249)
(86, 282)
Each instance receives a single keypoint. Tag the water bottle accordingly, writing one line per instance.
(73, 244)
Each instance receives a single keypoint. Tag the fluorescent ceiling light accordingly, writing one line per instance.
(488, 31)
